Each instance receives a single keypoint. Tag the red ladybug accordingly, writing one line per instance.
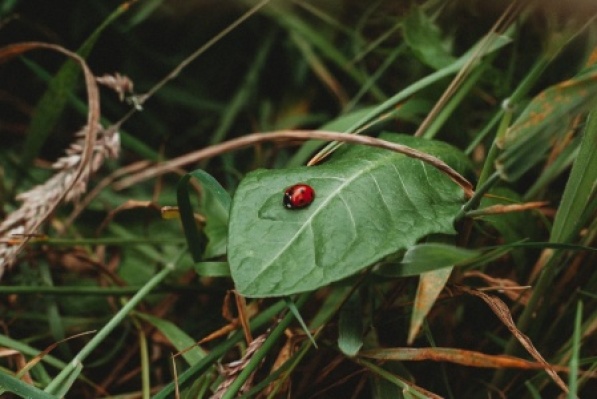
(298, 196)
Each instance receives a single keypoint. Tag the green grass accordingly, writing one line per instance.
(475, 295)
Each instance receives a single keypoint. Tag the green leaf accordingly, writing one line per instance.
(30, 351)
(429, 257)
(215, 203)
(215, 206)
(369, 203)
(350, 326)
(426, 40)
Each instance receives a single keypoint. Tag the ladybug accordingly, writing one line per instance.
(298, 196)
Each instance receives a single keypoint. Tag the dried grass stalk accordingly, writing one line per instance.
(39, 201)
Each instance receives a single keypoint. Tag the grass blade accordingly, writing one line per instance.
(9, 383)
(192, 353)
(75, 366)
(574, 359)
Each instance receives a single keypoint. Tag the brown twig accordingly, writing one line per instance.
(500, 209)
(255, 138)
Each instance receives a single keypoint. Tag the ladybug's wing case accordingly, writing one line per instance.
(298, 196)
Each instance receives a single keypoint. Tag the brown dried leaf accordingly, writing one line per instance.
(231, 370)
(510, 288)
(430, 286)
(500, 209)
(252, 310)
(453, 355)
(243, 316)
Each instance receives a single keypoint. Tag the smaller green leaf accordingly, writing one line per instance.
(350, 327)
(215, 203)
(215, 206)
(187, 218)
(428, 257)
(426, 40)
(177, 337)
(495, 43)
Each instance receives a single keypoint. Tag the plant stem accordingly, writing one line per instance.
(489, 165)
(101, 291)
(474, 201)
